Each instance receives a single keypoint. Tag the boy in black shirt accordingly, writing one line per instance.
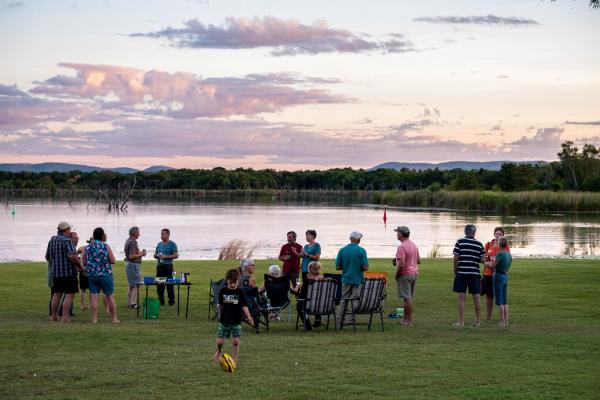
(232, 302)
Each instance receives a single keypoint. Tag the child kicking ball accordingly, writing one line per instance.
(232, 303)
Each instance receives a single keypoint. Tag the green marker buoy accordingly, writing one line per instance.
(14, 211)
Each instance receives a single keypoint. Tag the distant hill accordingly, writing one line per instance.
(466, 165)
(64, 167)
(157, 168)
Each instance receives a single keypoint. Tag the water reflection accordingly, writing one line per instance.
(201, 228)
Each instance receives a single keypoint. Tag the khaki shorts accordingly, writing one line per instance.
(406, 286)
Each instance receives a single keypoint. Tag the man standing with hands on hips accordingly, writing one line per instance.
(166, 252)
(406, 262)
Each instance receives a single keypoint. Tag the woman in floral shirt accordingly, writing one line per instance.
(98, 258)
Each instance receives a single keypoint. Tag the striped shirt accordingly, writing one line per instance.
(470, 252)
(59, 247)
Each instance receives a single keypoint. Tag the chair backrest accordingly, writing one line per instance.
(338, 291)
(320, 298)
(278, 289)
(215, 288)
(371, 295)
(252, 298)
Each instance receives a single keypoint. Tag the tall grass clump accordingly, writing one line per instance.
(236, 249)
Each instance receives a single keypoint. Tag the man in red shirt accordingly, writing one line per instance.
(290, 254)
(407, 269)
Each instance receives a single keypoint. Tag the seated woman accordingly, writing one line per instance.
(314, 274)
(273, 271)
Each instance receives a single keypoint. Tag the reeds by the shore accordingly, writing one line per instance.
(531, 201)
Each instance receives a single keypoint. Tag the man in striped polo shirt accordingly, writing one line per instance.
(468, 253)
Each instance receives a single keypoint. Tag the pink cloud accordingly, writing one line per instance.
(284, 37)
(182, 94)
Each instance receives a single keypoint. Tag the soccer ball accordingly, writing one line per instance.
(227, 363)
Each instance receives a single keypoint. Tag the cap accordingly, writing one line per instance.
(356, 235)
(403, 229)
(63, 226)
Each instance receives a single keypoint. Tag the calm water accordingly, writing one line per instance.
(201, 229)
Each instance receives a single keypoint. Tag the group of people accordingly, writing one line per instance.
(92, 264)
(301, 266)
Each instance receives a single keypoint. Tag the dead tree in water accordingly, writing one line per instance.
(116, 198)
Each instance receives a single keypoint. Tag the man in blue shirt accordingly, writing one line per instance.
(352, 261)
(468, 254)
(166, 252)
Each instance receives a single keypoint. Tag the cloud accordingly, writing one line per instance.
(184, 95)
(543, 138)
(12, 4)
(283, 37)
(364, 121)
(592, 123)
(503, 76)
(489, 19)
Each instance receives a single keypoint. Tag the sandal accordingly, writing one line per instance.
(133, 306)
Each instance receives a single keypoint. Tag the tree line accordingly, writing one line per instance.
(575, 170)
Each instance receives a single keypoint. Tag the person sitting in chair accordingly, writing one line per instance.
(314, 274)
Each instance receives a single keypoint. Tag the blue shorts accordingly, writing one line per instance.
(500, 286)
(102, 282)
(462, 282)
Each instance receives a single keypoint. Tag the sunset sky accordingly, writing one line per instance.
(295, 84)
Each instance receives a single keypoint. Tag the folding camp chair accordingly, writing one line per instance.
(320, 300)
(338, 291)
(258, 313)
(278, 293)
(213, 296)
(370, 301)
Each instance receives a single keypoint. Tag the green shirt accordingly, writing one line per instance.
(351, 258)
(504, 260)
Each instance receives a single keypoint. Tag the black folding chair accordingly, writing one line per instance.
(370, 301)
(213, 296)
(320, 300)
(258, 313)
(278, 295)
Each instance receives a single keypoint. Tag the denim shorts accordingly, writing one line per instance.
(462, 282)
(500, 286)
(227, 330)
(101, 282)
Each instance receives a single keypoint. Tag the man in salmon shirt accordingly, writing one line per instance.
(487, 287)
(407, 270)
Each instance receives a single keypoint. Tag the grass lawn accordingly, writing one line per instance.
(551, 349)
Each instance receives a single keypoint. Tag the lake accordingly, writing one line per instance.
(200, 229)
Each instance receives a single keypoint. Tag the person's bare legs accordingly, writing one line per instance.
(235, 348)
(132, 295)
(106, 306)
(489, 306)
(408, 312)
(67, 306)
(55, 306)
(461, 309)
(219, 351)
(94, 306)
(110, 299)
(506, 315)
(477, 302)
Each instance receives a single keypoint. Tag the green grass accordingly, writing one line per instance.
(551, 349)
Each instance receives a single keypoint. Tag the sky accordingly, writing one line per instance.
(295, 84)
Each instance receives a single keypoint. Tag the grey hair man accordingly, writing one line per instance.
(352, 261)
(468, 254)
(407, 269)
(247, 279)
(133, 262)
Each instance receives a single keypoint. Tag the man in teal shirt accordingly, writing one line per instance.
(352, 261)
(166, 252)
